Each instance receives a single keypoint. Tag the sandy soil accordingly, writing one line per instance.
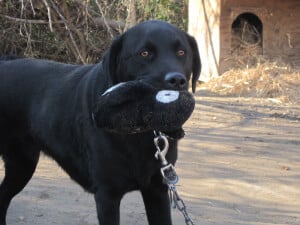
(239, 164)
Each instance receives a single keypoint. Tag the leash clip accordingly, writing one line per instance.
(169, 175)
(161, 139)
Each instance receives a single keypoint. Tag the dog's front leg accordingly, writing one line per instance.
(156, 200)
(108, 207)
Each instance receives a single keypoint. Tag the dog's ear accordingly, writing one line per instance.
(111, 59)
(196, 67)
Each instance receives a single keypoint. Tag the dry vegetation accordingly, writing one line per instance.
(67, 31)
(268, 80)
(76, 31)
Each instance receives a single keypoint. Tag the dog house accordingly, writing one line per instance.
(235, 33)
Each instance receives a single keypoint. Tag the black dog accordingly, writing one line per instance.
(50, 106)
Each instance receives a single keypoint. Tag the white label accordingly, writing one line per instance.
(167, 96)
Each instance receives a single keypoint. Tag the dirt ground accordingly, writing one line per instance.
(239, 164)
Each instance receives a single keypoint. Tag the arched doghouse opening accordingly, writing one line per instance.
(247, 39)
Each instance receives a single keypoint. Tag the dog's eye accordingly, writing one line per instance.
(180, 52)
(144, 53)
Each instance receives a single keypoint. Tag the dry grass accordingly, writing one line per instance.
(268, 80)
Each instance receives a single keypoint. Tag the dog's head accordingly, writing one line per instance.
(150, 67)
(156, 52)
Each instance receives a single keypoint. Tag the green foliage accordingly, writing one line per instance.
(173, 11)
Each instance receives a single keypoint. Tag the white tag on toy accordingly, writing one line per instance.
(167, 96)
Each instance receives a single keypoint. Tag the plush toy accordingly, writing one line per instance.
(135, 106)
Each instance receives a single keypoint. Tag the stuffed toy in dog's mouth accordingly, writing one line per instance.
(135, 106)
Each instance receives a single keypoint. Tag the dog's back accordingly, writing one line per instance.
(30, 86)
(21, 81)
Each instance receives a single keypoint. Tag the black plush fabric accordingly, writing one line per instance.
(132, 107)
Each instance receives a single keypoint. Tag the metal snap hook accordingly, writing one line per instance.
(161, 154)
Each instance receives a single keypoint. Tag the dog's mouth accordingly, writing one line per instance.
(136, 106)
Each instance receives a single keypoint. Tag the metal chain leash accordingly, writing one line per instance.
(169, 175)
(177, 202)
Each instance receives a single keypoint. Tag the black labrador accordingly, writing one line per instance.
(46, 105)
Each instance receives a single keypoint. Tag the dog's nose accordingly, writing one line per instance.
(176, 81)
